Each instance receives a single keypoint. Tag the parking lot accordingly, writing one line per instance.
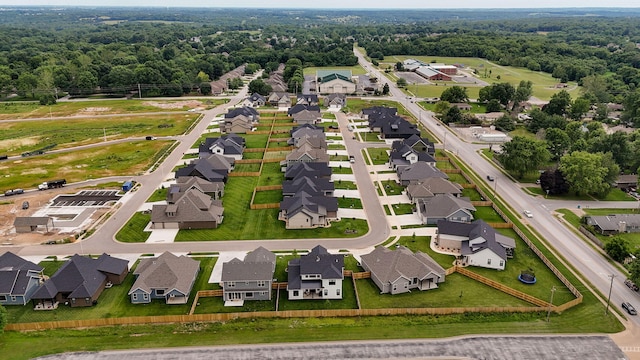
(87, 198)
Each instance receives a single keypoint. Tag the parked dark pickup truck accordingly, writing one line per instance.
(631, 285)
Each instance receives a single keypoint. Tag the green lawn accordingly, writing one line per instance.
(208, 305)
(158, 195)
(457, 178)
(348, 300)
(487, 214)
(421, 243)
(472, 194)
(392, 187)
(345, 185)
(378, 156)
(267, 197)
(271, 175)
(342, 170)
(258, 141)
(402, 209)
(252, 155)
(349, 203)
(133, 230)
(246, 168)
(371, 136)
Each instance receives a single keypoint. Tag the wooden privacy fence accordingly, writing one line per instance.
(268, 187)
(591, 237)
(482, 203)
(244, 173)
(264, 206)
(165, 319)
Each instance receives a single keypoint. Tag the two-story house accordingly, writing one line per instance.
(317, 275)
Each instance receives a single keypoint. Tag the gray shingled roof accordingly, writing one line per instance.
(166, 271)
(15, 273)
(259, 264)
(444, 205)
(474, 230)
(193, 206)
(431, 186)
(388, 265)
(418, 171)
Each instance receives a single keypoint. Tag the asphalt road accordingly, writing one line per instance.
(470, 347)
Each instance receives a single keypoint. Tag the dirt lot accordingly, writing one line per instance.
(11, 207)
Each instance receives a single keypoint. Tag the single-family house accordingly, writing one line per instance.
(376, 111)
(213, 168)
(230, 145)
(317, 275)
(305, 211)
(400, 271)
(614, 223)
(307, 117)
(214, 189)
(19, 279)
(240, 120)
(280, 99)
(392, 127)
(306, 153)
(307, 99)
(430, 187)
(445, 207)
(335, 101)
(167, 277)
(405, 155)
(255, 100)
(193, 210)
(625, 182)
(416, 143)
(310, 169)
(417, 172)
(311, 185)
(302, 107)
(80, 281)
(462, 106)
(477, 243)
(248, 279)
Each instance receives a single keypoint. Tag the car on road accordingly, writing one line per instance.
(629, 308)
(25, 205)
(490, 178)
(528, 213)
(631, 285)
(352, 159)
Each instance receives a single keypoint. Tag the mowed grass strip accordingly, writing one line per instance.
(97, 162)
(18, 137)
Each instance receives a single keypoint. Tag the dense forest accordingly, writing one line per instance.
(79, 50)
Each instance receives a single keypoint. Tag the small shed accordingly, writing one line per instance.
(127, 186)
(26, 224)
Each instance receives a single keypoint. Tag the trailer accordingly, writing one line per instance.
(52, 184)
(127, 186)
(13, 192)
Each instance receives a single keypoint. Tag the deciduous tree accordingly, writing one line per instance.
(521, 155)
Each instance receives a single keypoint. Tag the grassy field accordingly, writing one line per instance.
(355, 70)
(355, 105)
(19, 137)
(379, 156)
(23, 110)
(133, 230)
(101, 161)
(392, 187)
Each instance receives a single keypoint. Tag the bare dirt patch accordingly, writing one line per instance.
(11, 207)
(174, 104)
(95, 110)
(12, 144)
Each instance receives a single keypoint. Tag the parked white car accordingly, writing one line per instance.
(528, 213)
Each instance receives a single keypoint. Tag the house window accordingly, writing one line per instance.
(87, 300)
(326, 292)
(332, 282)
(415, 280)
(73, 300)
(338, 292)
(13, 298)
(263, 293)
(296, 293)
(145, 296)
(3, 297)
(501, 262)
(488, 261)
(231, 284)
(395, 287)
(262, 283)
(159, 292)
(134, 296)
(248, 295)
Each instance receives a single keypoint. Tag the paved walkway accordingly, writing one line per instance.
(485, 347)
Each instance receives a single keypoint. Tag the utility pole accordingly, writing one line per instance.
(139, 92)
(612, 276)
(104, 131)
(553, 290)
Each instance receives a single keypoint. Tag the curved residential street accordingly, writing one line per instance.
(584, 258)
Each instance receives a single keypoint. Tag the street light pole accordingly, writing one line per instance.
(612, 276)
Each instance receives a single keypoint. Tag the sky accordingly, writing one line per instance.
(335, 4)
